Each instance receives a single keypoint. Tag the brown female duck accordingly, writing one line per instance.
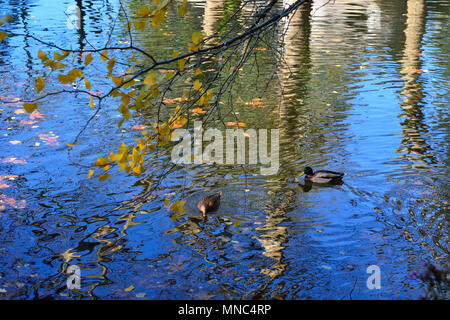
(209, 203)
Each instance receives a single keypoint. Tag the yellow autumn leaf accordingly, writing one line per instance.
(42, 55)
(87, 84)
(150, 78)
(101, 162)
(125, 111)
(39, 84)
(3, 35)
(30, 107)
(166, 202)
(182, 10)
(91, 103)
(104, 55)
(125, 99)
(130, 83)
(71, 76)
(197, 85)
(135, 154)
(110, 64)
(140, 25)
(55, 65)
(91, 172)
(88, 59)
(73, 145)
(57, 56)
(130, 288)
(208, 95)
(197, 37)
(198, 72)
(236, 124)
(158, 18)
(104, 176)
(6, 18)
(143, 12)
(137, 170)
(117, 80)
(181, 64)
(178, 207)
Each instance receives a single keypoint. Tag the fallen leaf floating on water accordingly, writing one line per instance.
(255, 102)
(72, 144)
(170, 101)
(9, 177)
(36, 115)
(236, 124)
(49, 139)
(418, 70)
(4, 185)
(167, 71)
(198, 110)
(9, 98)
(95, 93)
(139, 127)
(15, 142)
(16, 204)
(130, 288)
(12, 160)
(27, 122)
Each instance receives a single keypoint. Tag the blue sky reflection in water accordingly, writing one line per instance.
(365, 92)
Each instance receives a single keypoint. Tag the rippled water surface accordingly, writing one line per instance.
(365, 91)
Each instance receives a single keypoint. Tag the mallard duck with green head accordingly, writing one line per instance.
(322, 176)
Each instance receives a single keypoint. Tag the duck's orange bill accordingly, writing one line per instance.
(301, 174)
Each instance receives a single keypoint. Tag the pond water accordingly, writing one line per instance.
(365, 92)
